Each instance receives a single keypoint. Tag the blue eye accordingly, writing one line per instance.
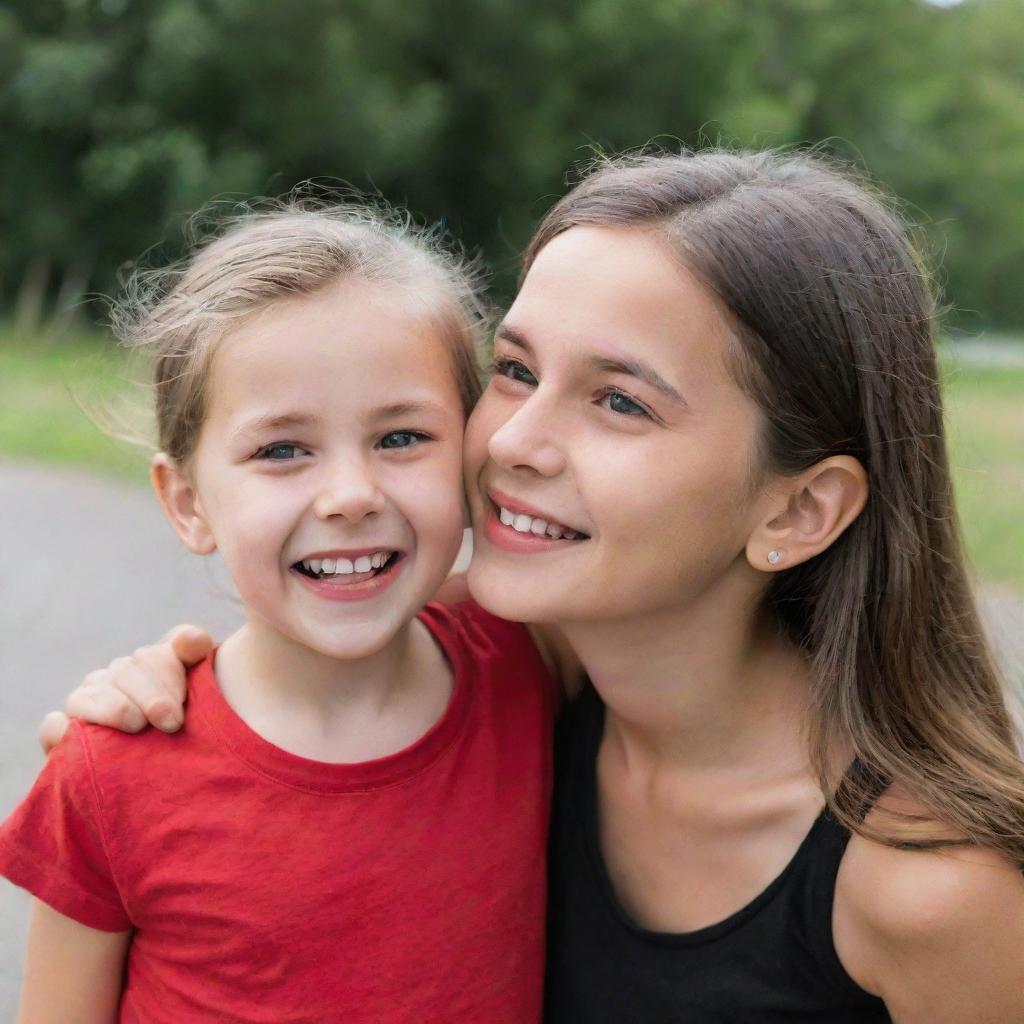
(280, 451)
(513, 370)
(621, 403)
(403, 439)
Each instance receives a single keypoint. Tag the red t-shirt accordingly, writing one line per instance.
(267, 887)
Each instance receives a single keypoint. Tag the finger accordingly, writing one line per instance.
(152, 679)
(166, 673)
(190, 643)
(52, 729)
(101, 702)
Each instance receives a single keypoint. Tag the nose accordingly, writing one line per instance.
(350, 490)
(529, 439)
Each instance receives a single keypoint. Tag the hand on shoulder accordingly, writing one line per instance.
(146, 688)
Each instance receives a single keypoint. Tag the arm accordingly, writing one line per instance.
(73, 974)
(147, 688)
(939, 935)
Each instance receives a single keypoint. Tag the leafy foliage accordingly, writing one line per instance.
(119, 117)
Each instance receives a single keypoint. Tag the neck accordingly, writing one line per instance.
(699, 687)
(328, 708)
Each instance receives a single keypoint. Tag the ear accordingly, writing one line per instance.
(180, 502)
(809, 513)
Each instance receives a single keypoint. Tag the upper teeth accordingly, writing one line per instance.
(522, 523)
(344, 566)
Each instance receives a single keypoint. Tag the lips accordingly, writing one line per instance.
(523, 518)
(516, 527)
(341, 585)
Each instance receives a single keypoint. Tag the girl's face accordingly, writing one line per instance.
(612, 418)
(332, 444)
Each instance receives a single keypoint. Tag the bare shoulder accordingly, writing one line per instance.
(938, 933)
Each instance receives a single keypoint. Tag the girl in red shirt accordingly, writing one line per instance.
(320, 841)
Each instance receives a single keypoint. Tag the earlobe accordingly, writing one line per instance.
(819, 505)
(180, 502)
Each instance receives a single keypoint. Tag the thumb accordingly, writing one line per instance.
(190, 644)
(52, 729)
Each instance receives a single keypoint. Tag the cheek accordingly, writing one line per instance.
(430, 497)
(250, 521)
(694, 502)
(483, 422)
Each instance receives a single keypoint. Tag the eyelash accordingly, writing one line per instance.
(500, 367)
(418, 435)
(264, 452)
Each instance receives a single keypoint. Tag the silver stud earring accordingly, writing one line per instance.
(774, 557)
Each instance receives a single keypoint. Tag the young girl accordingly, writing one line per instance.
(712, 452)
(351, 826)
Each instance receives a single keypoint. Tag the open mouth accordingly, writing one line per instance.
(349, 570)
(523, 523)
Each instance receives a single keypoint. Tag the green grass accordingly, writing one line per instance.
(56, 399)
(51, 395)
(985, 412)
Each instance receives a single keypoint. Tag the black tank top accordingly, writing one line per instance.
(773, 960)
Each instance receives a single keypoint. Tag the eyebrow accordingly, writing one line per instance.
(286, 421)
(398, 409)
(631, 367)
(271, 421)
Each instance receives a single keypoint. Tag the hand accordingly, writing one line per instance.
(147, 688)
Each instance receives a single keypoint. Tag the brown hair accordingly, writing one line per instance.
(836, 322)
(276, 249)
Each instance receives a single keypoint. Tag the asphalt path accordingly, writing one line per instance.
(89, 570)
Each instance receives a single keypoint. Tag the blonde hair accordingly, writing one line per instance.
(277, 249)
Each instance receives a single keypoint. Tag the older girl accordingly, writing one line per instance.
(711, 452)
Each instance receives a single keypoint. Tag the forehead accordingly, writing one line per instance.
(355, 341)
(624, 288)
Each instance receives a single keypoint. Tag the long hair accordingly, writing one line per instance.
(836, 323)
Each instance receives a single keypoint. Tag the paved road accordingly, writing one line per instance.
(89, 570)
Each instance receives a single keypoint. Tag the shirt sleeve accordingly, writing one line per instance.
(53, 846)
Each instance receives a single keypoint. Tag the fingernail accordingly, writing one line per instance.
(169, 722)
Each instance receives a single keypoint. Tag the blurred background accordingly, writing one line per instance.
(119, 117)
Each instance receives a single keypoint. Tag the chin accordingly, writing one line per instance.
(510, 599)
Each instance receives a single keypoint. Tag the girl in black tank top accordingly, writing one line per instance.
(718, 386)
(771, 961)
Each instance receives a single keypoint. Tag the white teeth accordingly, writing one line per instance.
(346, 566)
(522, 523)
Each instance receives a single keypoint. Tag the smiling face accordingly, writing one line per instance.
(328, 468)
(612, 414)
